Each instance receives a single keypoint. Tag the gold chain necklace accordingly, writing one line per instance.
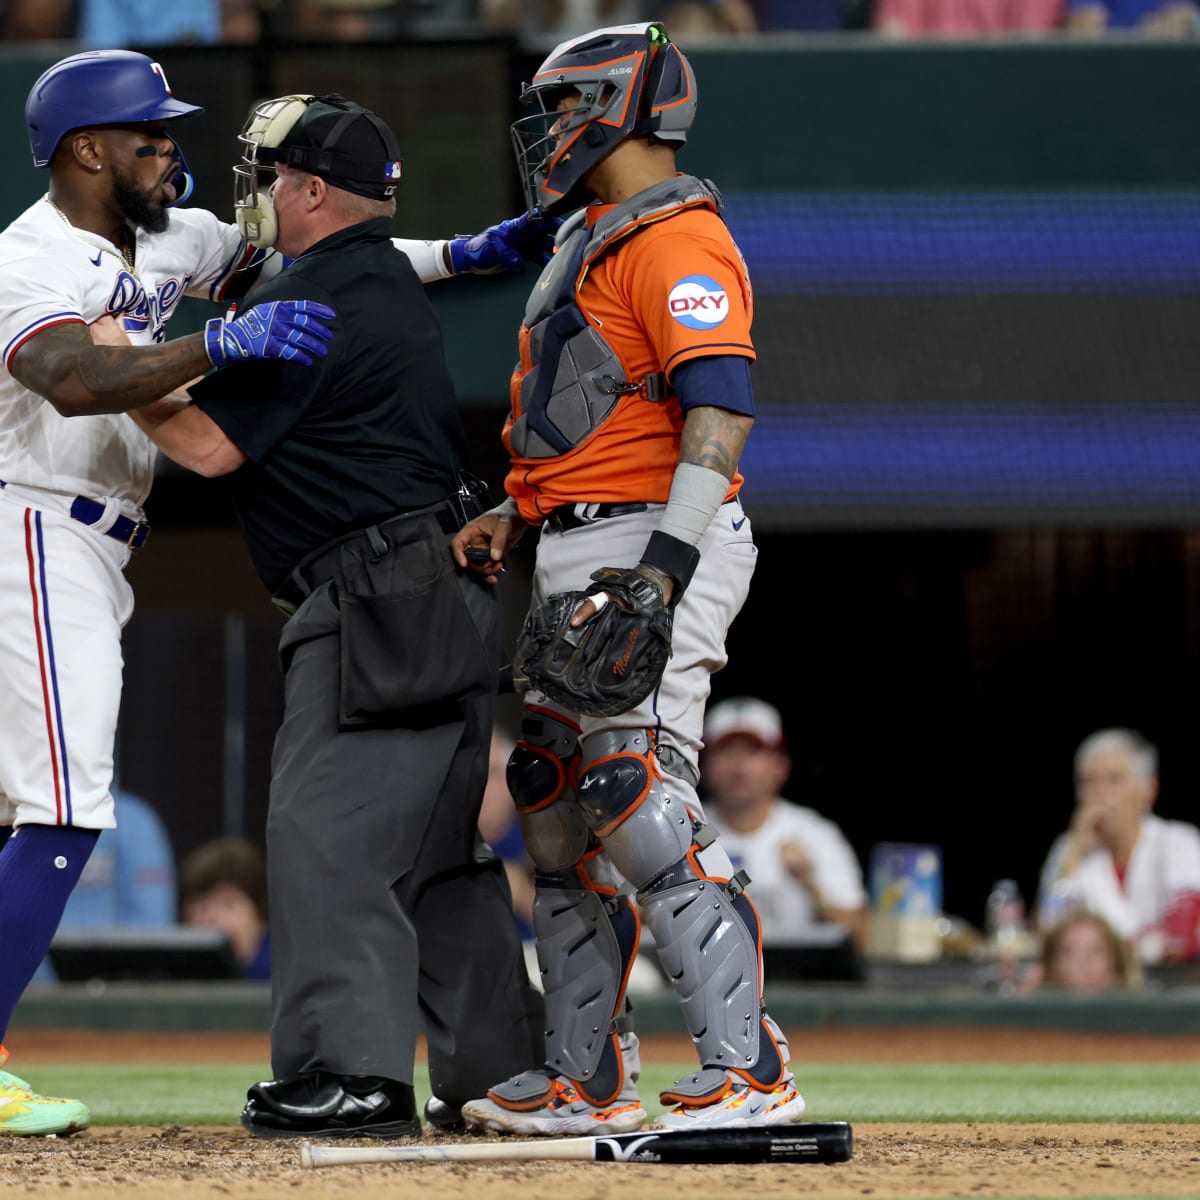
(125, 258)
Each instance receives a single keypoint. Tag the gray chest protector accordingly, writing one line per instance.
(577, 379)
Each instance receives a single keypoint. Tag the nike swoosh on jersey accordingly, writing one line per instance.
(96, 261)
(738, 524)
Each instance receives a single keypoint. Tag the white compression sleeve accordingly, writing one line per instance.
(696, 494)
(429, 259)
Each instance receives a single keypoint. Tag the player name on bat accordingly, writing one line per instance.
(828, 1142)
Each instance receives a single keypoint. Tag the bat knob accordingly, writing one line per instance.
(306, 1154)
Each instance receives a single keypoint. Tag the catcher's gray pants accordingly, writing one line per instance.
(702, 619)
(383, 921)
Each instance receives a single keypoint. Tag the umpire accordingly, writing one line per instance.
(348, 479)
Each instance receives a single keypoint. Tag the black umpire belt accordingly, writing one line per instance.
(575, 516)
(322, 564)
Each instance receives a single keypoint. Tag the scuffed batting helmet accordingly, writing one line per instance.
(631, 80)
(98, 87)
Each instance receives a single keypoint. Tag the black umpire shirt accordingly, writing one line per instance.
(364, 433)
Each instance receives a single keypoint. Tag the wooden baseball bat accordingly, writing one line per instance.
(828, 1142)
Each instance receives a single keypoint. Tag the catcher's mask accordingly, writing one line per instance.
(99, 88)
(630, 80)
(330, 136)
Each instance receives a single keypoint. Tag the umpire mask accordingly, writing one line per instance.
(330, 136)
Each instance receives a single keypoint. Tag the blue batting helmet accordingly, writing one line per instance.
(99, 87)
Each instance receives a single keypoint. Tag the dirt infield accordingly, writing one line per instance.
(891, 1162)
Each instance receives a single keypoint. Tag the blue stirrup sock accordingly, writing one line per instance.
(39, 866)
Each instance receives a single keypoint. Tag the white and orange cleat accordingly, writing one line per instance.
(539, 1105)
(716, 1099)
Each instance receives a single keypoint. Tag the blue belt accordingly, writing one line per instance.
(124, 529)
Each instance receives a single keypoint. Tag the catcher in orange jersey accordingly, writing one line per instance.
(631, 404)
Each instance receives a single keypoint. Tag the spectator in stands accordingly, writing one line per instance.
(500, 828)
(341, 20)
(115, 24)
(803, 869)
(544, 23)
(551, 21)
(223, 885)
(1153, 18)
(129, 881)
(1138, 871)
(1083, 953)
(37, 20)
(914, 19)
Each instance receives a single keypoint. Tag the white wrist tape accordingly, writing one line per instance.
(429, 259)
(696, 494)
(599, 600)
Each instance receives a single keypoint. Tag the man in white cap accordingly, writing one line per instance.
(804, 871)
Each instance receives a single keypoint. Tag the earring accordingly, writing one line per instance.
(97, 166)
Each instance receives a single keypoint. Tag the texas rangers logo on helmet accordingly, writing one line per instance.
(156, 69)
(698, 302)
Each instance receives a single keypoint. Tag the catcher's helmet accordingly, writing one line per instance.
(98, 87)
(631, 80)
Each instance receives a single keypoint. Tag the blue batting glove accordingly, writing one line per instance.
(505, 247)
(287, 329)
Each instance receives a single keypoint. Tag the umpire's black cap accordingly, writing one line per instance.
(345, 144)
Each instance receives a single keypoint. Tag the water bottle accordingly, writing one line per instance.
(1061, 900)
(1005, 916)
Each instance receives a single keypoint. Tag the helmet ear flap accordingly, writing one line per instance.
(669, 97)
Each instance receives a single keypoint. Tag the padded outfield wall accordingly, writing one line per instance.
(977, 271)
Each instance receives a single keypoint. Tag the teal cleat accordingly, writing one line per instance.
(23, 1113)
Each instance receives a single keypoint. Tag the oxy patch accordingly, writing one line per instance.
(698, 302)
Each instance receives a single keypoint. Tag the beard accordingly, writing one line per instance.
(138, 207)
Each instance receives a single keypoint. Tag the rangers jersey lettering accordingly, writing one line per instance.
(52, 273)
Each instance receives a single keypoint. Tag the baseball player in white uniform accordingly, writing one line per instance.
(75, 471)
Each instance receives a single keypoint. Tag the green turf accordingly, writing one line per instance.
(213, 1094)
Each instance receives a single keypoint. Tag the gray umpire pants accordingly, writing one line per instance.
(385, 920)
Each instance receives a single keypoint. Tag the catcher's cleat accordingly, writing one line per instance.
(23, 1113)
(554, 1108)
(443, 1117)
(713, 1099)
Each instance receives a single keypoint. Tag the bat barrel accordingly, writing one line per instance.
(815, 1142)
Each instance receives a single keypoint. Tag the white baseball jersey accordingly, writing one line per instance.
(1164, 862)
(784, 906)
(52, 273)
(63, 595)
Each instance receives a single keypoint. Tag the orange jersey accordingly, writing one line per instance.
(674, 289)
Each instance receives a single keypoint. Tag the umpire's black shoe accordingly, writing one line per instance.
(444, 1117)
(318, 1104)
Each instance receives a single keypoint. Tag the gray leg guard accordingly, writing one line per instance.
(586, 936)
(706, 932)
(585, 944)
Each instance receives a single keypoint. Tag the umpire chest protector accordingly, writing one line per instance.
(577, 379)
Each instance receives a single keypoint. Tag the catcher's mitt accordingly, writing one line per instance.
(612, 662)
